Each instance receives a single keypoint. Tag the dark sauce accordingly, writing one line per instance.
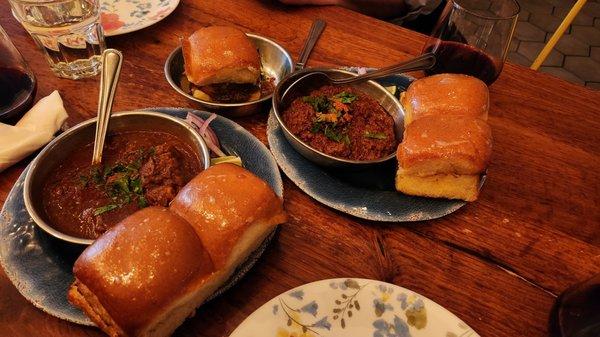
(139, 169)
(17, 90)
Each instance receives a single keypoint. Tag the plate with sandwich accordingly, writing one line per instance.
(223, 69)
(150, 271)
(440, 159)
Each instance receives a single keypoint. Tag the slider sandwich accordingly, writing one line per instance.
(222, 65)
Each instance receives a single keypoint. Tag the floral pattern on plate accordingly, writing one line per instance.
(125, 16)
(352, 308)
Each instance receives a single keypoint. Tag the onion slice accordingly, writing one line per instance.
(202, 127)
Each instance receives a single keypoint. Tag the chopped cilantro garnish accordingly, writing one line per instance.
(318, 103)
(375, 135)
(345, 97)
(104, 209)
(316, 127)
(335, 135)
(121, 182)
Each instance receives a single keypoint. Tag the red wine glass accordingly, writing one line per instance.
(576, 312)
(17, 82)
(472, 37)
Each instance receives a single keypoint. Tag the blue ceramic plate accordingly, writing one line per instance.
(40, 265)
(368, 194)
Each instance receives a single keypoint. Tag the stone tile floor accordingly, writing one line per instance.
(576, 57)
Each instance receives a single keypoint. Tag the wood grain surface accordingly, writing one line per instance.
(497, 263)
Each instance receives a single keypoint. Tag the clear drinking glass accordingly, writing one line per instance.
(68, 31)
(17, 82)
(472, 37)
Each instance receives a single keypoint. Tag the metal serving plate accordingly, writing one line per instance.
(40, 266)
(368, 194)
(275, 62)
(78, 136)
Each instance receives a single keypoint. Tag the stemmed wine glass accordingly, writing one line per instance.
(472, 37)
(17, 82)
(576, 312)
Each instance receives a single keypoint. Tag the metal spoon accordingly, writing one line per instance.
(111, 69)
(315, 32)
(423, 62)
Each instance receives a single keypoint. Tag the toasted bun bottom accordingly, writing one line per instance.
(450, 186)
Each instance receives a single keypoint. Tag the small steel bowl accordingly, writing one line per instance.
(286, 92)
(276, 62)
(83, 133)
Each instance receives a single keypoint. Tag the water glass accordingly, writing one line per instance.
(68, 31)
(473, 36)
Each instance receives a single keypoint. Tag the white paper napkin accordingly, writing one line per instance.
(34, 130)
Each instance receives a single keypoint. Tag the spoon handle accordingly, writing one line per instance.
(111, 68)
(425, 61)
(315, 32)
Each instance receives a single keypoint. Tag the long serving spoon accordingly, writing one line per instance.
(423, 62)
(111, 69)
(315, 32)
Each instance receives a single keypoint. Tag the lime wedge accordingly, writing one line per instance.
(392, 89)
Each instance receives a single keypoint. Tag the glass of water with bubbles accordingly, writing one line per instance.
(68, 31)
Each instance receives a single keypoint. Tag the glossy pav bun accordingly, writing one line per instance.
(134, 275)
(146, 275)
(220, 54)
(445, 95)
(228, 207)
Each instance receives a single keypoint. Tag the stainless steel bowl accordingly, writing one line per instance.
(286, 92)
(81, 134)
(275, 62)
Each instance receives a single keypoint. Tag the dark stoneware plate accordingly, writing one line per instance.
(40, 265)
(368, 194)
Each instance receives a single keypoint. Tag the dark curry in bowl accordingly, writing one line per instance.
(139, 169)
(342, 122)
(148, 156)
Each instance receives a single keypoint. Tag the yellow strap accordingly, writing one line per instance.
(557, 34)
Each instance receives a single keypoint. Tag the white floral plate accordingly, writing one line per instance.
(125, 16)
(352, 308)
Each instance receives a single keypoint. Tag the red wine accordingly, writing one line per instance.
(17, 90)
(576, 312)
(460, 58)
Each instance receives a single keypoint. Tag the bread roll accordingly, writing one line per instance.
(232, 211)
(445, 95)
(147, 274)
(135, 279)
(220, 54)
(450, 186)
(445, 145)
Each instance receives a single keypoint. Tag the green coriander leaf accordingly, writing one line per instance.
(136, 185)
(345, 97)
(375, 135)
(316, 127)
(84, 180)
(332, 134)
(142, 202)
(318, 103)
(104, 209)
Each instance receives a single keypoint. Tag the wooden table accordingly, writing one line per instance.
(497, 263)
